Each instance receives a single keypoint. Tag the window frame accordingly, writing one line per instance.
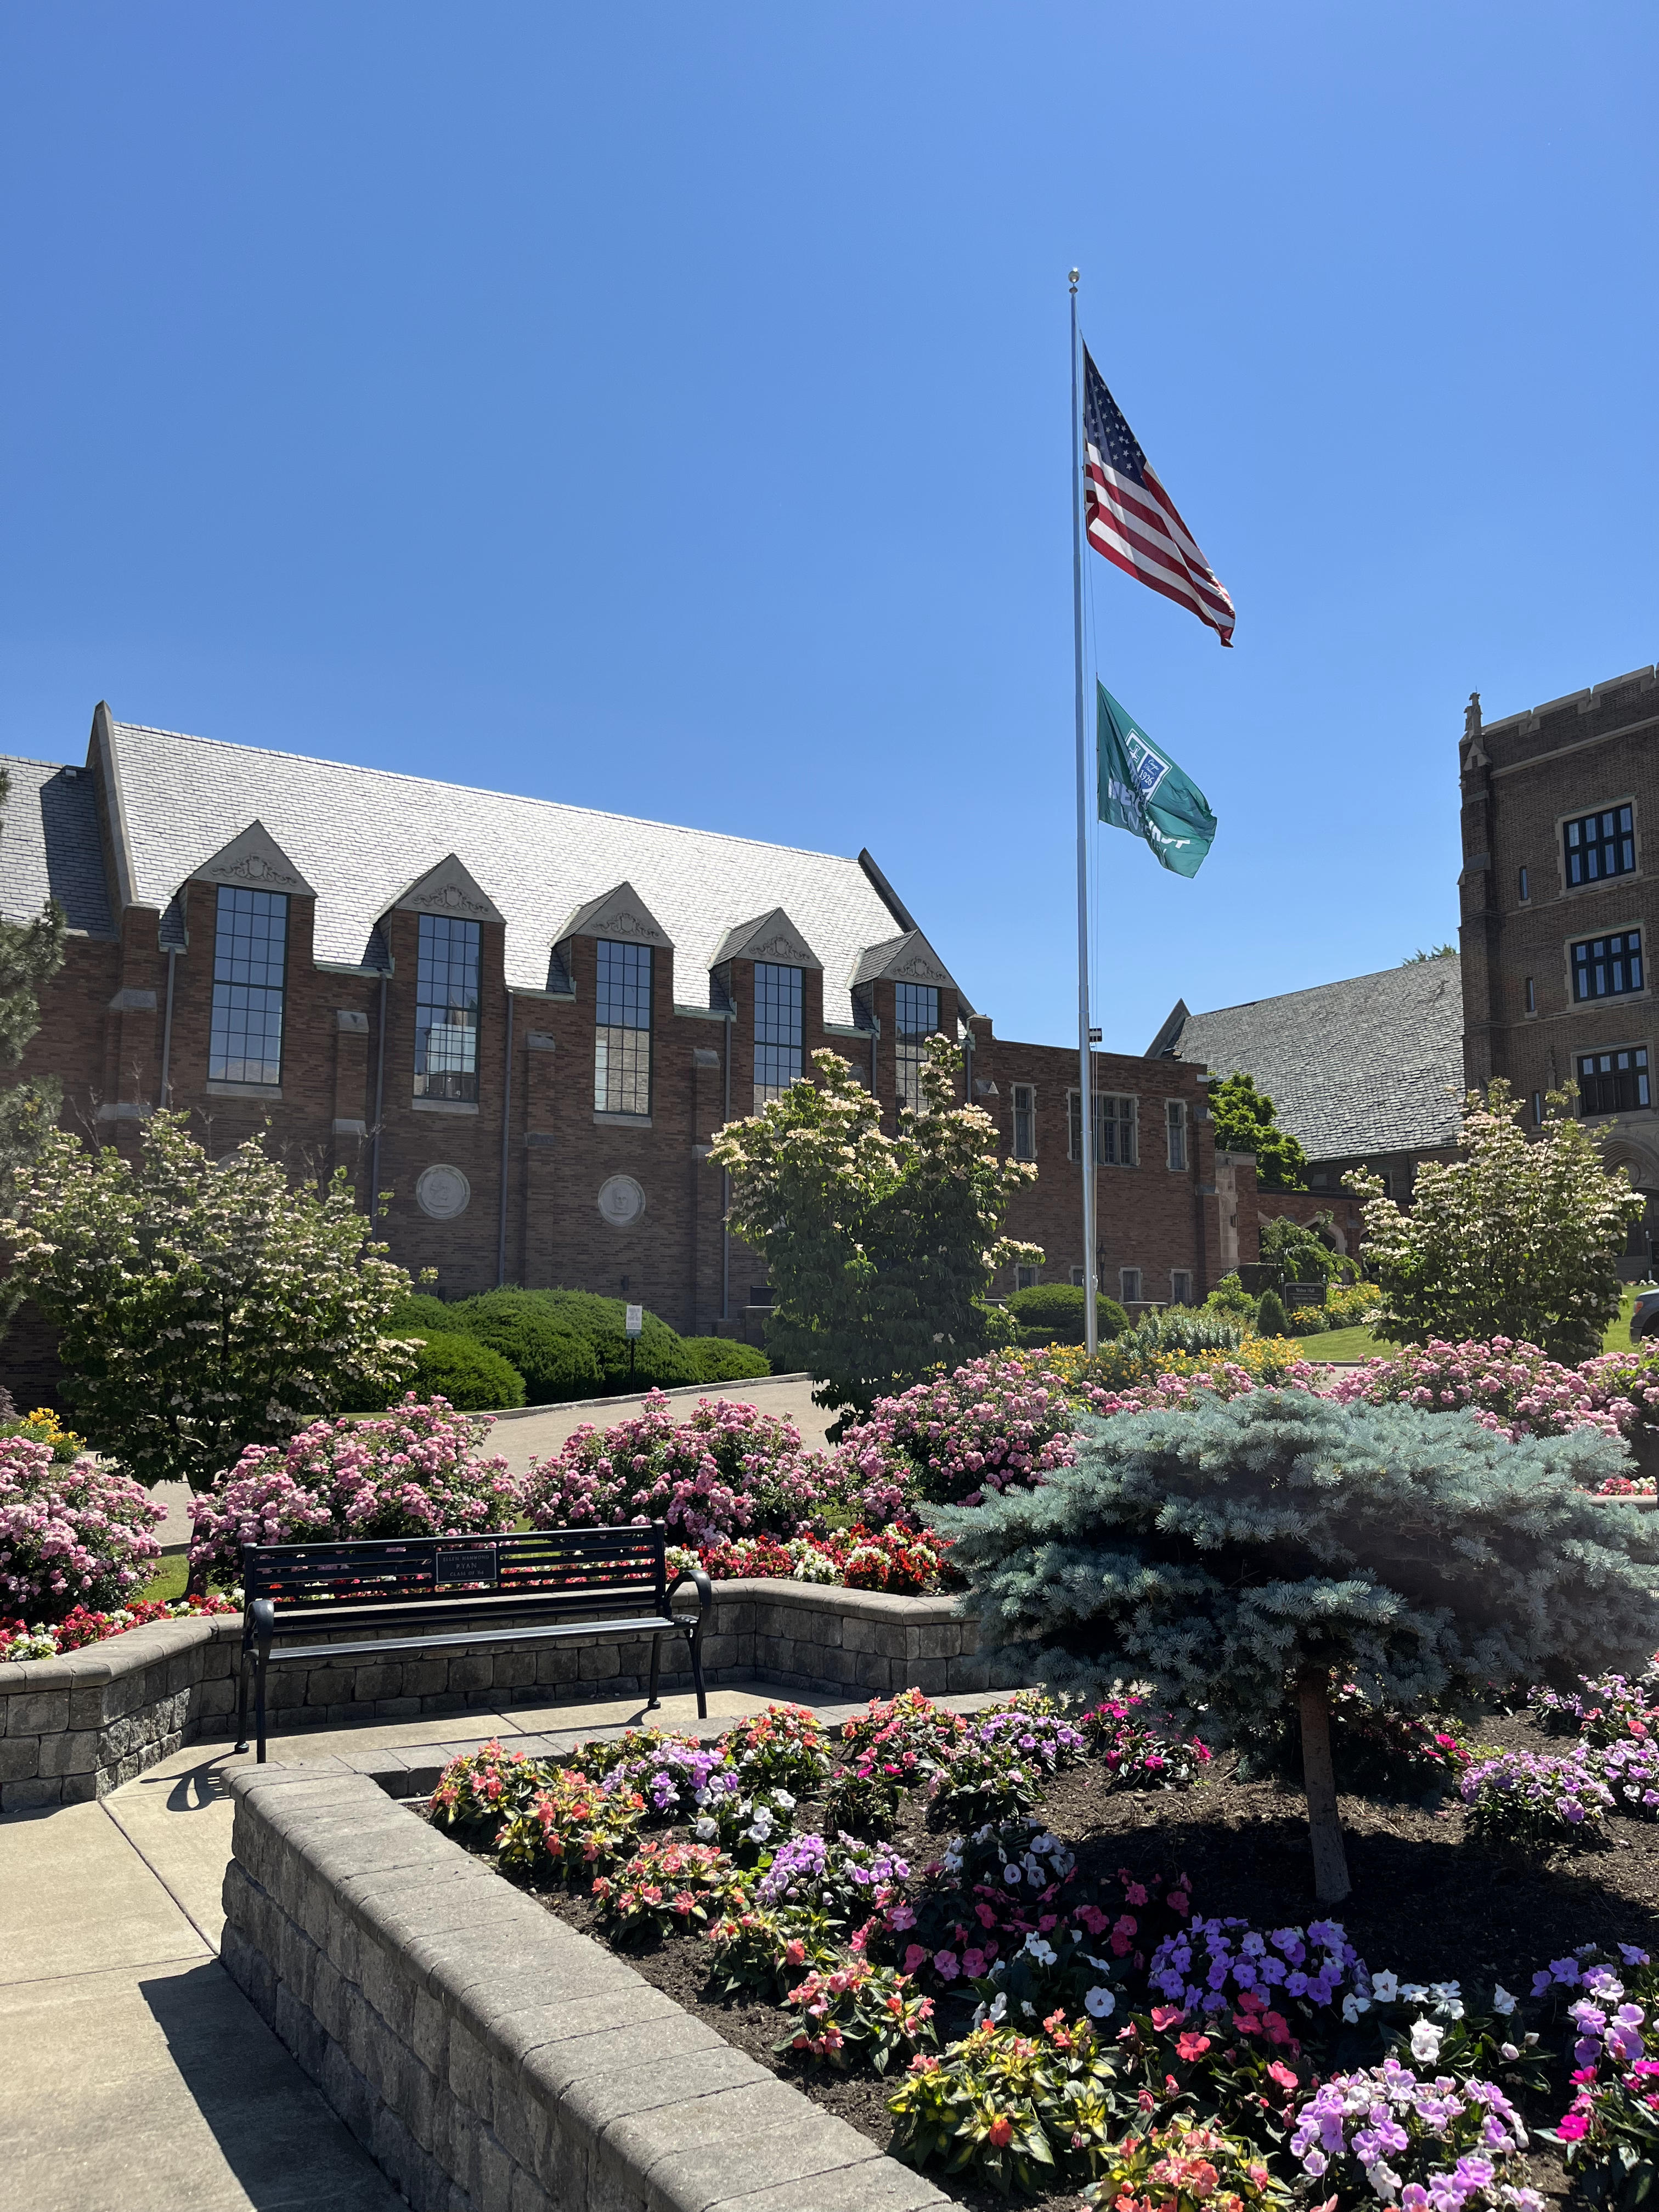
(1568, 846)
(910, 1045)
(1641, 1076)
(1177, 1277)
(426, 943)
(1531, 994)
(1131, 1121)
(1177, 1123)
(1125, 1277)
(276, 901)
(628, 1085)
(1621, 936)
(1524, 886)
(766, 1003)
(1023, 1269)
(1016, 1091)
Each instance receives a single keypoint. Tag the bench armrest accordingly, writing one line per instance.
(705, 1591)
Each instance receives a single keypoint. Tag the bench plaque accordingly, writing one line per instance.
(457, 1567)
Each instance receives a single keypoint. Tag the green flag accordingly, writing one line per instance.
(1142, 790)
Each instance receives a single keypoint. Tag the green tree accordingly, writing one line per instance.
(31, 953)
(880, 1249)
(1300, 1254)
(1520, 1236)
(1245, 1121)
(201, 1308)
(1233, 1553)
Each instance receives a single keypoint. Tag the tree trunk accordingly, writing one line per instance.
(1331, 1883)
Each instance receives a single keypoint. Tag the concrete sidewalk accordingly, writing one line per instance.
(136, 2072)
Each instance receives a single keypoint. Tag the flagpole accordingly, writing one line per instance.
(1085, 1073)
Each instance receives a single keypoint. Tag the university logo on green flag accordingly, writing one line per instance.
(1142, 790)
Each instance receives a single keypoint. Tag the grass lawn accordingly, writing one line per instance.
(167, 1582)
(1360, 1344)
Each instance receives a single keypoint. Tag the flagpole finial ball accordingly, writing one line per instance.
(1071, 279)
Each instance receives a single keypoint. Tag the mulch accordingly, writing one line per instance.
(1428, 1901)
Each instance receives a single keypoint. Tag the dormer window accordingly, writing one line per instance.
(446, 1009)
(621, 1041)
(777, 1030)
(915, 1019)
(250, 962)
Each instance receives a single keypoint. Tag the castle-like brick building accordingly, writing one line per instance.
(523, 1022)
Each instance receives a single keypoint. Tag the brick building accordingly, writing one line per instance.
(1557, 802)
(525, 1021)
(1364, 1073)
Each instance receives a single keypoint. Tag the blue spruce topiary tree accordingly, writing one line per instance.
(1233, 1553)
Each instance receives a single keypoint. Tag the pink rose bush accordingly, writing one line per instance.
(1512, 1388)
(69, 1536)
(415, 1473)
(730, 1470)
(999, 1422)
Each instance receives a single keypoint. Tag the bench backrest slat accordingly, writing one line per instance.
(581, 1567)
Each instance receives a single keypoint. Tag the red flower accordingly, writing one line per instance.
(1001, 2131)
(1192, 2046)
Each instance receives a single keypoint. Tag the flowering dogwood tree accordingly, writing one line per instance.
(880, 1249)
(1233, 1553)
(1519, 1238)
(201, 1308)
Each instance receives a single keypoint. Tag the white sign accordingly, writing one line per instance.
(634, 1324)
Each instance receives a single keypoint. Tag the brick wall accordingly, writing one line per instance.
(1522, 779)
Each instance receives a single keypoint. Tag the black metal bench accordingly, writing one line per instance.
(548, 1584)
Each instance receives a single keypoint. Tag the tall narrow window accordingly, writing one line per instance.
(1175, 1119)
(1614, 1082)
(446, 1009)
(1129, 1279)
(915, 1019)
(1608, 967)
(1114, 1129)
(621, 1044)
(1601, 845)
(1180, 1287)
(1532, 997)
(1026, 1278)
(1025, 1103)
(250, 959)
(777, 1030)
(1538, 1109)
(1525, 891)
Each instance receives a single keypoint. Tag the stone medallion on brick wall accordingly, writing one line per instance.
(621, 1202)
(443, 1192)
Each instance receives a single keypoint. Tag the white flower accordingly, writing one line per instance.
(1425, 2042)
(783, 1798)
(1384, 1988)
(1100, 2003)
(1385, 2181)
(1042, 1952)
(1353, 2005)
(706, 1829)
(1414, 1993)
(1508, 2050)
(1502, 2001)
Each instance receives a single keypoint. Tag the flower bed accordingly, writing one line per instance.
(46, 1640)
(1009, 2009)
(70, 1536)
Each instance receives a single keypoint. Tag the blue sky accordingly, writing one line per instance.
(666, 410)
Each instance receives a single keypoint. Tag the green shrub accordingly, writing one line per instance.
(661, 1361)
(1270, 1318)
(555, 1361)
(420, 1315)
(719, 1360)
(1052, 1313)
(1231, 1301)
(469, 1374)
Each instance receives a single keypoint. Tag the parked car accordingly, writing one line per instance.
(1645, 1317)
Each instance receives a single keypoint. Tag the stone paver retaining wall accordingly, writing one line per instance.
(489, 2058)
(80, 1726)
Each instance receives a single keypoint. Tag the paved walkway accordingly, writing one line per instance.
(136, 2073)
(521, 1437)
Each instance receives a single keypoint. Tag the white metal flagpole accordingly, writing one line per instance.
(1085, 1074)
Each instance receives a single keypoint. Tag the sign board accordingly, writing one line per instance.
(634, 1324)
(463, 1566)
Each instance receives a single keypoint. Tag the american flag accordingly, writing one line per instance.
(1132, 520)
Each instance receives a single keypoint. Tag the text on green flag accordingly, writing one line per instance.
(1143, 790)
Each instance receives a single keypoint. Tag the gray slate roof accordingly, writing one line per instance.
(361, 836)
(1371, 1066)
(48, 848)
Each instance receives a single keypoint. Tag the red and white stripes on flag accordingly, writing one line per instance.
(1132, 520)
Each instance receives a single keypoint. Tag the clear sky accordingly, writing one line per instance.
(665, 409)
